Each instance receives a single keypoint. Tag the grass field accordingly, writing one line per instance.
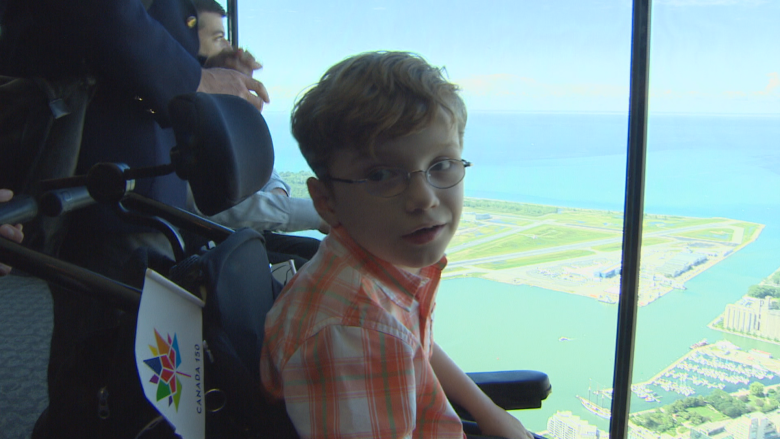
(543, 236)
(715, 234)
(538, 259)
(619, 245)
(708, 412)
(658, 222)
(470, 231)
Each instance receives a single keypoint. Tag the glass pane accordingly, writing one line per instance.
(533, 274)
(712, 226)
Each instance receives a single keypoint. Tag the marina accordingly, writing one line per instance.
(722, 365)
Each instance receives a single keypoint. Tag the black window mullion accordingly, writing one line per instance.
(232, 22)
(632, 219)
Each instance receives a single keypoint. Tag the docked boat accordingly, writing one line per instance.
(700, 343)
(595, 408)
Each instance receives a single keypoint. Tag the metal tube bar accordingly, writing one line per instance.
(632, 220)
(178, 217)
(70, 276)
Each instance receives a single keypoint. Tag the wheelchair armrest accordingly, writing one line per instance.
(511, 390)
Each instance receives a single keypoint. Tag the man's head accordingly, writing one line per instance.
(384, 133)
(211, 30)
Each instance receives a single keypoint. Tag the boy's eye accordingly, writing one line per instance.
(441, 166)
(382, 174)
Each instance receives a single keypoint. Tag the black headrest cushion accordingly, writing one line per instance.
(223, 148)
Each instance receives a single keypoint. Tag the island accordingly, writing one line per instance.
(578, 251)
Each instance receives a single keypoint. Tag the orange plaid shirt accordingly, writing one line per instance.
(348, 346)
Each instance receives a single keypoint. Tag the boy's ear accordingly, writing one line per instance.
(324, 201)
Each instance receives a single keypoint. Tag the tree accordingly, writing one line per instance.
(761, 291)
(770, 405)
(757, 389)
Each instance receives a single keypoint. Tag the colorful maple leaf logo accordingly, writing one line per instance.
(166, 360)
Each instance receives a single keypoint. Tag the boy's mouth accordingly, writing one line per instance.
(424, 235)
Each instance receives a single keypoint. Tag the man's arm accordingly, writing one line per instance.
(268, 211)
(492, 419)
(276, 184)
(150, 54)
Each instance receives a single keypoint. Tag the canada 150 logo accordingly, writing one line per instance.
(164, 363)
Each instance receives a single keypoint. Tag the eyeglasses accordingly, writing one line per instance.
(389, 182)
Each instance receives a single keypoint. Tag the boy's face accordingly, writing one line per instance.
(410, 230)
(211, 33)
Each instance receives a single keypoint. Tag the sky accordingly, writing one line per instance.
(707, 56)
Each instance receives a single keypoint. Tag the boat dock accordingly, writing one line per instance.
(720, 365)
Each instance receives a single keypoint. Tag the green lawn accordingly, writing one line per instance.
(470, 231)
(659, 222)
(591, 218)
(543, 236)
(619, 246)
(538, 259)
(708, 412)
(714, 234)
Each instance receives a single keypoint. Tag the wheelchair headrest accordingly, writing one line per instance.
(223, 148)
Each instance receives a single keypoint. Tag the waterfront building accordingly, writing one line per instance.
(608, 272)
(681, 263)
(711, 430)
(752, 426)
(760, 317)
(565, 425)
(638, 432)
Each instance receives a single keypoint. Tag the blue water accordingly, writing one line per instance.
(704, 166)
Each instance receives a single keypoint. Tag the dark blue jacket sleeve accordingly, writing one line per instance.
(150, 54)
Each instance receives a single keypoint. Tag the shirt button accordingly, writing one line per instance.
(191, 21)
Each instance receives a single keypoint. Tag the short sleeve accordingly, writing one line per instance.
(351, 382)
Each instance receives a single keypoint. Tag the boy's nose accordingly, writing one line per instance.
(420, 195)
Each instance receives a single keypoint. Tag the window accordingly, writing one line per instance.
(533, 278)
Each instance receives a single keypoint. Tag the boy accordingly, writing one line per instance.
(348, 343)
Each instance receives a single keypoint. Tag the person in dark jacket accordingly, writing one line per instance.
(142, 54)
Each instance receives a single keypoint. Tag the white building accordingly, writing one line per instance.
(565, 425)
(752, 426)
(754, 316)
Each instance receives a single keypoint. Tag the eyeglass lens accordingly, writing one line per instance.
(442, 175)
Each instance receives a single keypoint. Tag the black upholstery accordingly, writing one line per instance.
(223, 148)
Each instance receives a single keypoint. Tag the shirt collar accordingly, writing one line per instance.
(409, 284)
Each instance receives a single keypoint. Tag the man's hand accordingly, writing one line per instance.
(236, 59)
(232, 82)
(14, 233)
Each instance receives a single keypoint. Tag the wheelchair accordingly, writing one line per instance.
(225, 152)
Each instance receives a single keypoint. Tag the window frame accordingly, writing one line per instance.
(633, 208)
